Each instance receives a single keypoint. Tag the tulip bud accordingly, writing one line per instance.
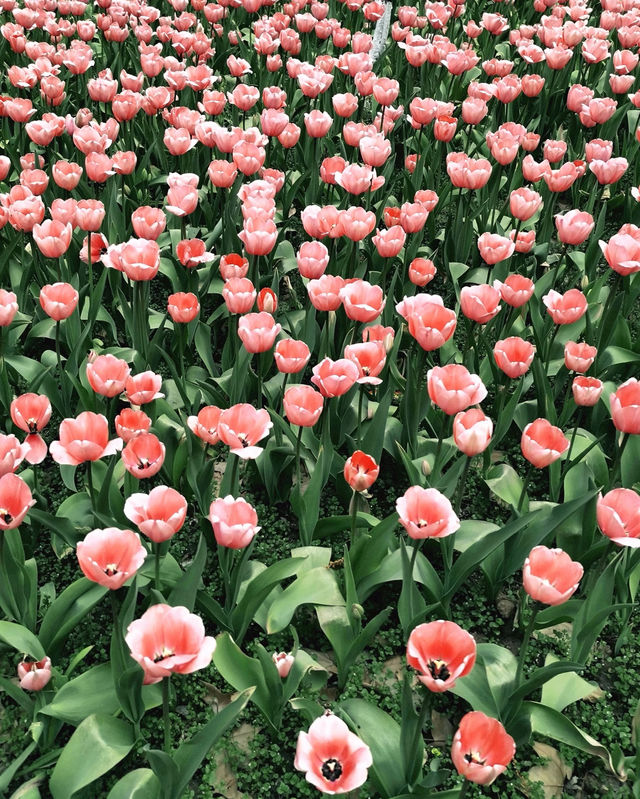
(425, 468)
(267, 301)
(357, 611)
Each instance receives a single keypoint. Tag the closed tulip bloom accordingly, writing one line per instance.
(324, 292)
(107, 375)
(579, 357)
(58, 300)
(622, 253)
(267, 300)
(357, 222)
(574, 227)
(625, 407)
(143, 455)
(362, 302)
(15, 501)
(159, 514)
(167, 640)
(482, 749)
(442, 652)
(34, 675)
(426, 513)
(431, 324)
(587, 390)
(12, 453)
(565, 308)
(618, 516)
(516, 290)
(361, 471)
(389, 242)
(550, 576)
(514, 356)
(258, 235)
(542, 443)
(8, 307)
(524, 203)
(421, 271)
(472, 431)
(130, 422)
(291, 356)
(312, 259)
(283, 662)
(609, 171)
(183, 307)
(452, 388)
(239, 295)
(89, 215)
(205, 424)
(335, 378)
(494, 248)
(241, 427)
(140, 259)
(258, 331)
(148, 222)
(234, 522)
(480, 303)
(85, 438)
(53, 238)
(111, 556)
(335, 760)
(302, 405)
(66, 175)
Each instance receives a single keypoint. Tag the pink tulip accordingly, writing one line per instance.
(550, 576)
(159, 514)
(426, 513)
(85, 438)
(111, 556)
(241, 427)
(452, 388)
(234, 522)
(34, 675)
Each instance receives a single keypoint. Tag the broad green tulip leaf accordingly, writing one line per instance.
(67, 610)
(565, 689)
(318, 586)
(505, 483)
(21, 639)
(489, 685)
(382, 735)
(139, 784)
(98, 744)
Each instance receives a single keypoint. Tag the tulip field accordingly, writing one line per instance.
(319, 399)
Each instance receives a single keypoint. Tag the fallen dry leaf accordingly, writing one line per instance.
(552, 774)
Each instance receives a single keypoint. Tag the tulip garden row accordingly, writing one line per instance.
(318, 351)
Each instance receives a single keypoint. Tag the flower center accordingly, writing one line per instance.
(32, 424)
(438, 670)
(165, 653)
(142, 463)
(332, 769)
(474, 757)
(110, 569)
(6, 517)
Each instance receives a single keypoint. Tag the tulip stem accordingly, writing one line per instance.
(525, 485)
(165, 714)
(156, 548)
(360, 401)
(90, 485)
(617, 466)
(462, 485)
(525, 644)
(464, 789)
(298, 470)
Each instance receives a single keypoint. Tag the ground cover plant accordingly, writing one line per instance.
(320, 449)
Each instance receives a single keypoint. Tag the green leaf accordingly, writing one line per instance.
(382, 735)
(505, 483)
(489, 684)
(21, 639)
(185, 590)
(69, 608)
(97, 745)
(316, 587)
(553, 724)
(190, 754)
(90, 692)
(565, 689)
(139, 784)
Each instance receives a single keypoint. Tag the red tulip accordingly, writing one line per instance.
(482, 749)
(335, 760)
(111, 556)
(234, 522)
(442, 652)
(426, 513)
(241, 427)
(167, 640)
(361, 471)
(159, 514)
(85, 438)
(130, 422)
(542, 443)
(302, 405)
(143, 455)
(550, 576)
(452, 388)
(625, 407)
(183, 307)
